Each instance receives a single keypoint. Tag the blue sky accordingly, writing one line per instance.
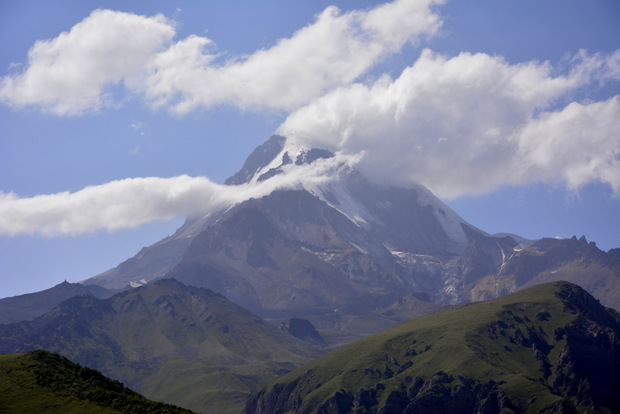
(509, 111)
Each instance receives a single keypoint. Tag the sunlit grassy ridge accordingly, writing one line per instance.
(43, 382)
(514, 348)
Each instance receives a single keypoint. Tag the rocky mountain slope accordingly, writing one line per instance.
(183, 345)
(346, 246)
(552, 348)
(574, 260)
(43, 382)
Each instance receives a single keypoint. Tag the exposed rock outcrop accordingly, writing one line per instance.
(302, 329)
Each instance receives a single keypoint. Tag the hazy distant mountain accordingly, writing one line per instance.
(43, 382)
(574, 260)
(349, 246)
(552, 348)
(29, 306)
(183, 345)
(302, 329)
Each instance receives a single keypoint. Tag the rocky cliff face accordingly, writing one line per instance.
(438, 395)
(260, 157)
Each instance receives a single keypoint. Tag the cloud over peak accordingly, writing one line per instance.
(472, 123)
(131, 202)
(463, 124)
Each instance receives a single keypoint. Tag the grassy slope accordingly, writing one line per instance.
(213, 362)
(461, 340)
(42, 382)
(182, 345)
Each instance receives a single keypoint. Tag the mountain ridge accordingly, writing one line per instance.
(549, 348)
(29, 306)
(218, 352)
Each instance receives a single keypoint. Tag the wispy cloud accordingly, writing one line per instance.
(73, 73)
(472, 123)
(114, 205)
(138, 127)
(132, 202)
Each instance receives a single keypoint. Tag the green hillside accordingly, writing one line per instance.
(183, 345)
(551, 348)
(43, 382)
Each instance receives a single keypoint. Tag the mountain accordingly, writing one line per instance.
(29, 306)
(551, 348)
(342, 245)
(43, 382)
(184, 345)
(368, 218)
(574, 260)
(149, 263)
(155, 261)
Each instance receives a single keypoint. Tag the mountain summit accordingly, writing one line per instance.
(334, 242)
(325, 240)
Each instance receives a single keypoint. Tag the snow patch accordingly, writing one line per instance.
(345, 203)
(450, 221)
(361, 249)
(324, 256)
(138, 283)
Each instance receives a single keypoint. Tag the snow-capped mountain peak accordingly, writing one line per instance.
(346, 190)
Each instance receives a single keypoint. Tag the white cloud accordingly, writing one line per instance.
(471, 123)
(578, 144)
(115, 205)
(461, 125)
(132, 202)
(72, 73)
(334, 50)
(76, 71)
